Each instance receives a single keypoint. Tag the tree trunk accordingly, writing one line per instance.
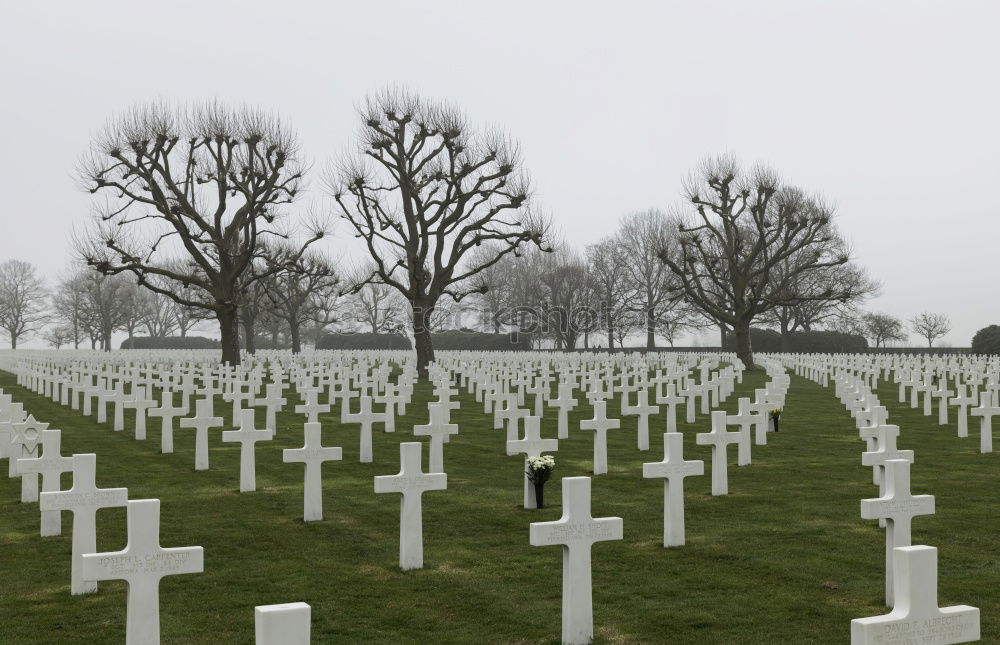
(722, 335)
(611, 337)
(422, 337)
(743, 349)
(786, 338)
(293, 331)
(586, 340)
(650, 329)
(249, 333)
(229, 334)
(13, 341)
(106, 341)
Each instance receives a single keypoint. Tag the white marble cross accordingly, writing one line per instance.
(885, 449)
(120, 400)
(202, 422)
(167, 412)
(366, 418)
(142, 563)
(963, 401)
(438, 429)
(140, 402)
(744, 418)
(719, 438)
(942, 394)
(643, 410)
(285, 624)
(600, 425)
(564, 402)
(577, 531)
(50, 466)
(411, 482)
(671, 400)
(312, 408)
(238, 397)
(247, 436)
(83, 500)
(916, 617)
(531, 446)
(898, 508)
(312, 454)
(273, 402)
(986, 411)
(673, 469)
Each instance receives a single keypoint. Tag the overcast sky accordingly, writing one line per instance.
(888, 108)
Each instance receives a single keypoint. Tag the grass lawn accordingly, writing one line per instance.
(784, 558)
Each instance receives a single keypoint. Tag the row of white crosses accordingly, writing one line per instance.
(143, 562)
(576, 531)
(911, 571)
(336, 382)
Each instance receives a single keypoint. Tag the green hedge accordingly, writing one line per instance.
(823, 342)
(448, 339)
(477, 340)
(987, 340)
(364, 341)
(171, 342)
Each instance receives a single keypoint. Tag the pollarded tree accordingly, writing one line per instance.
(738, 227)
(882, 328)
(424, 192)
(188, 197)
(930, 326)
(22, 300)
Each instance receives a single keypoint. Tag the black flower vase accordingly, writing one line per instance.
(777, 420)
(539, 494)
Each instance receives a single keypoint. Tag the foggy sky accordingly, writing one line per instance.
(887, 108)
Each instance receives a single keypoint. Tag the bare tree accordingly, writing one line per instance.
(157, 312)
(607, 263)
(644, 237)
(69, 304)
(494, 287)
(739, 225)
(830, 293)
(57, 336)
(377, 308)
(681, 318)
(883, 328)
(109, 306)
(930, 326)
(569, 311)
(294, 291)
(189, 196)
(425, 191)
(22, 300)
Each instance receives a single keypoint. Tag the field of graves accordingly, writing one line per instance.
(783, 558)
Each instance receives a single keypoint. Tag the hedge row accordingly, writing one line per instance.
(825, 342)
(364, 341)
(171, 342)
(449, 339)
